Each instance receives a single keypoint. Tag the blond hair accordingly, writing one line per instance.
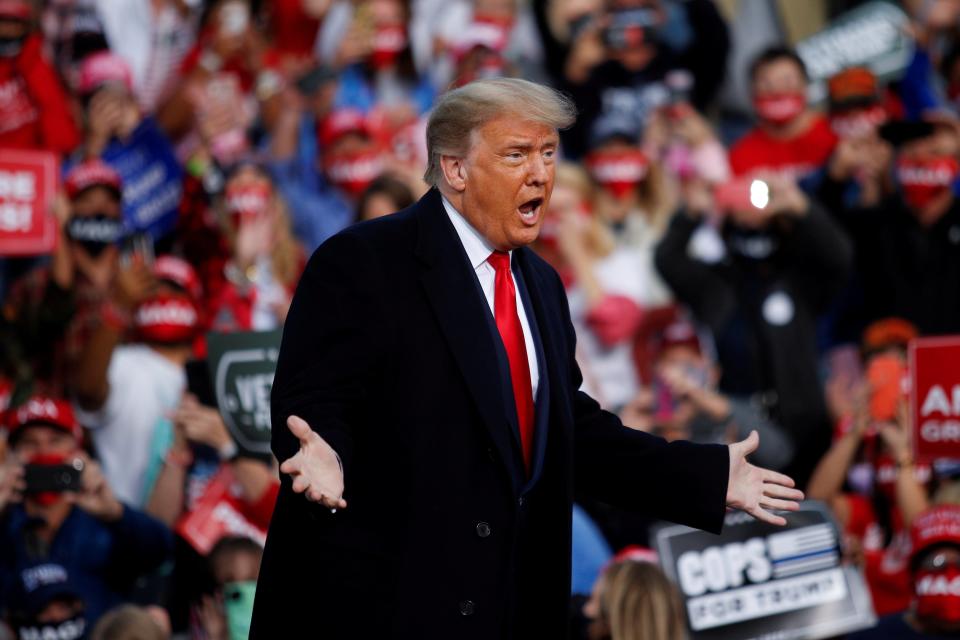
(638, 602)
(460, 112)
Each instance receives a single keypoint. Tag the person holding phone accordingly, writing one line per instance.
(55, 503)
(784, 261)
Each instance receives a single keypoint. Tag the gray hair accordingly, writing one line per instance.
(460, 112)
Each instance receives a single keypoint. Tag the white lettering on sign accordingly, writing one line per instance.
(254, 394)
(937, 401)
(720, 568)
(756, 601)
(940, 431)
(15, 216)
(18, 185)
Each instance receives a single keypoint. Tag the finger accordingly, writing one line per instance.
(779, 491)
(291, 466)
(299, 428)
(749, 444)
(300, 484)
(772, 477)
(765, 516)
(779, 505)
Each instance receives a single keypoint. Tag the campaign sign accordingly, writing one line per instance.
(217, 513)
(242, 365)
(873, 35)
(152, 179)
(756, 580)
(935, 396)
(28, 182)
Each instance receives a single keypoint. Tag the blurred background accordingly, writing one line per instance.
(755, 217)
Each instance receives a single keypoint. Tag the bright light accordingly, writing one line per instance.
(759, 194)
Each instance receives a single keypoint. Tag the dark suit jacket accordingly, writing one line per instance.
(390, 353)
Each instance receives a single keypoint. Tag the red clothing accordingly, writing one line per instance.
(799, 156)
(886, 568)
(34, 112)
(294, 32)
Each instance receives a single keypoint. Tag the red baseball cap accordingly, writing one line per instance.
(104, 67)
(341, 122)
(45, 410)
(679, 333)
(938, 525)
(479, 34)
(179, 272)
(15, 9)
(92, 173)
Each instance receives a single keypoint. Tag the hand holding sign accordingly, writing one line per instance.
(315, 469)
(754, 490)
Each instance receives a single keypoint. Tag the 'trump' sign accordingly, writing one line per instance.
(935, 396)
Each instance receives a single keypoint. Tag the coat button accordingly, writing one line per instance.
(467, 607)
(483, 529)
(520, 501)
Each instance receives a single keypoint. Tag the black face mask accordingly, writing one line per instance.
(70, 629)
(10, 47)
(95, 233)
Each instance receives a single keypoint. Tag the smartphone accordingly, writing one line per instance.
(200, 384)
(53, 478)
(742, 194)
(629, 28)
(885, 375)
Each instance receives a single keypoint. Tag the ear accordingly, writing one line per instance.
(454, 172)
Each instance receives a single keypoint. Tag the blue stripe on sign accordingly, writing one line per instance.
(809, 554)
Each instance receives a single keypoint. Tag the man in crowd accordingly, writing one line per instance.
(906, 246)
(790, 138)
(455, 430)
(102, 543)
(784, 264)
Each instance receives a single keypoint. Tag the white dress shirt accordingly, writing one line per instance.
(478, 250)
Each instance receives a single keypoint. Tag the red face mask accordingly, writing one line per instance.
(923, 180)
(248, 201)
(46, 498)
(938, 594)
(780, 108)
(858, 123)
(355, 171)
(388, 42)
(167, 318)
(619, 172)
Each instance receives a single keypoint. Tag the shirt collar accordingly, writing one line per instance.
(477, 247)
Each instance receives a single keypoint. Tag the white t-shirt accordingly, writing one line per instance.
(144, 388)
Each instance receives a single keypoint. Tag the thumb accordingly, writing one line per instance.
(750, 443)
(299, 428)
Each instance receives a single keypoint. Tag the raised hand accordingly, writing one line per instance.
(315, 469)
(754, 489)
(95, 495)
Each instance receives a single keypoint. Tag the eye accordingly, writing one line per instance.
(515, 155)
(549, 154)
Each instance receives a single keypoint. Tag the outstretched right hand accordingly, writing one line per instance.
(315, 468)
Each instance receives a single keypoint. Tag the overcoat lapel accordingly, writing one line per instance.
(445, 276)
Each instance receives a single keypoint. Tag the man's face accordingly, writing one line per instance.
(943, 142)
(43, 440)
(94, 201)
(779, 77)
(508, 178)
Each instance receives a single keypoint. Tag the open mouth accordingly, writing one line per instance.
(530, 210)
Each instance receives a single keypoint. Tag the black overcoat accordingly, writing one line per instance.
(391, 354)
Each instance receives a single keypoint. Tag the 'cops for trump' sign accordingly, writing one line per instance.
(935, 396)
(754, 579)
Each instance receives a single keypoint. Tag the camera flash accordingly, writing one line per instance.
(759, 194)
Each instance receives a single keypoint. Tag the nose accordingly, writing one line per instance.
(538, 173)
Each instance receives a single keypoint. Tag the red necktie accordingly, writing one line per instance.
(508, 323)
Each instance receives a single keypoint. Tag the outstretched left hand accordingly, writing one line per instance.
(754, 489)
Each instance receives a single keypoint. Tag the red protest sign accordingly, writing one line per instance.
(217, 513)
(935, 396)
(28, 182)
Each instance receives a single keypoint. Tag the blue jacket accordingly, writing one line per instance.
(102, 559)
